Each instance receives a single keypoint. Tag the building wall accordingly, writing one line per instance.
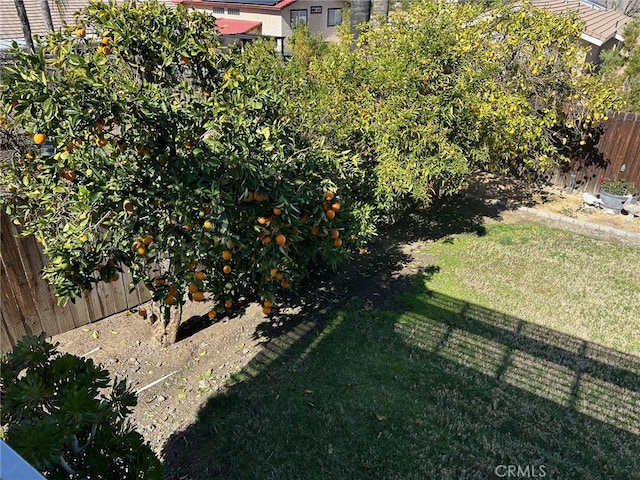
(278, 23)
(317, 21)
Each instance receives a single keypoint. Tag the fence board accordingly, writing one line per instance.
(618, 146)
(29, 305)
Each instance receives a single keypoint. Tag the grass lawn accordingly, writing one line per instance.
(516, 348)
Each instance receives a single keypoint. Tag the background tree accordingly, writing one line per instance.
(172, 159)
(622, 67)
(360, 12)
(46, 14)
(24, 21)
(363, 10)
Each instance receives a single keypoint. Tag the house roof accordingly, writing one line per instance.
(11, 28)
(228, 26)
(249, 4)
(601, 24)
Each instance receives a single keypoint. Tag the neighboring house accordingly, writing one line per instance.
(602, 28)
(11, 28)
(241, 18)
(272, 18)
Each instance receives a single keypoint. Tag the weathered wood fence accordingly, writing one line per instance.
(28, 303)
(615, 155)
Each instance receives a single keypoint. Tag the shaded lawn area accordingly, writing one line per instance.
(443, 383)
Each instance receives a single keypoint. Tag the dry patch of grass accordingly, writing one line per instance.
(563, 281)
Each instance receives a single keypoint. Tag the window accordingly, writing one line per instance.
(334, 17)
(233, 11)
(217, 10)
(298, 16)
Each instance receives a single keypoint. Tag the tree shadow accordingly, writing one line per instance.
(428, 387)
(373, 277)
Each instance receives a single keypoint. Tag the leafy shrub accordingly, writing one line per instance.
(62, 415)
(443, 89)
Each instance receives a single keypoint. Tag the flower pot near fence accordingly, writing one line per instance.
(615, 202)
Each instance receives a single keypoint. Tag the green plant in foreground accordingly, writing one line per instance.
(61, 414)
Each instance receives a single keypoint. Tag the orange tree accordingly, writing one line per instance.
(171, 158)
(441, 89)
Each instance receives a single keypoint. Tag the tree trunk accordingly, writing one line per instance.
(46, 14)
(165, 329)
(360, 13)
(381, 7)
(24, 20)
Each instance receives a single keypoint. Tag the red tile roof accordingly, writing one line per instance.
(228, 26)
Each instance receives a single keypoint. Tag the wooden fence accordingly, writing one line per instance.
(615, 155)
(28, 304)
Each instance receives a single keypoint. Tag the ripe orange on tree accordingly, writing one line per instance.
(227, 254)
(39, 138)
(281, 240)
(267, 303)
(105, 40)
(142, 251)
(337, 242)
(335, 234)
(207, 225)
(198, 296)
(274, 272)
(68, 174)
(81, 33)
(277, 211)
(200, 275)
(331, 214)
(260, 197)
(249, 198)
(335, 207)
(266, 240)
(212, 314)
(193, 288)
(228, 304)
(226, 269)
(147, 239)
(266, 310)
(329, 195)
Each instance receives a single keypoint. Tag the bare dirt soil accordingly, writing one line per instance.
(174, 382)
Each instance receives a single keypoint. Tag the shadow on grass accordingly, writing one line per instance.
(431, 387)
